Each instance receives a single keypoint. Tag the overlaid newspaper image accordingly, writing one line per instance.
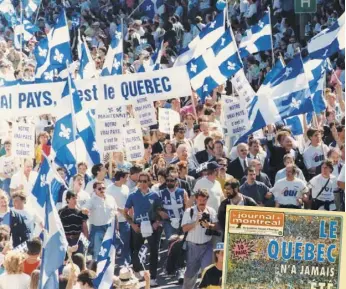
(283, 249)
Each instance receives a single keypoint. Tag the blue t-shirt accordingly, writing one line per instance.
(144, 206)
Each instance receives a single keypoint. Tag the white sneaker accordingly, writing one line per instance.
(153, 283)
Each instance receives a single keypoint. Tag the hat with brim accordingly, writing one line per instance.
(219, 247)
(126, 277)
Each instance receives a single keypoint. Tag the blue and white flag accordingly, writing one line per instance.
(215, 66)
(142, 254)
(87, 68)
(114, 58)
(329, 40)
(30, 7)
(257, 38)
(205, 39)
(151, 7)
(295, 123)
(26, 30)
(54, 240)
(55, 50)
(283, 95)
(155, 60)
(315, 70)
(106, 259)
(73, 139)
(9, 12)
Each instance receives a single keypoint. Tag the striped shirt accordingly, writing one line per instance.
(197, 234)
(72, 220)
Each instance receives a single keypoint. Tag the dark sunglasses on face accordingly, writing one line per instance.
(101, 189)
(181, 130)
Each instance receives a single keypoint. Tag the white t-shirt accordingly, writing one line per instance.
(214, 190)
(32, 220)
(288, 192)
(341, 177)
(82, 198)
(89, 187)
(120, 195)
(318, 182)
(20, 179)
(17, 281)
(101, 210)
(8, 165)
(314, 156)
(198, 143)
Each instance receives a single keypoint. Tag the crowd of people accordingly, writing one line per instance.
(176, 196)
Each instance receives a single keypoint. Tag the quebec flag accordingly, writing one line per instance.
(151, 7)
(55, 51)
(329, 40)
(205, 39)
(154, 62)
(9, 12)
(26, 30)
(73, 130)
(30, 7)
(54, 240)
(282, 95)
(257, 38)
(215, 66)
(106, 259)
(87, 67)
(114, 58)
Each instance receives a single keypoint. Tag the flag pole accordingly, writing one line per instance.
(21, 35)
(271, 33)
(38, 12)
(133, 11)
(74, 128)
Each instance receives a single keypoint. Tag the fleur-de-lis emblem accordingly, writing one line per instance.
(288, 71)
(212, 24)
(261, 23)
(103, 251)
(230, 65)
(148, 7)
(95, 148)
(64, 132)
(295, 103)
(43, 180)
(110, 109)
(68, 167)
(205, 87)
(117, 35)
(42, 52)
(119, 109)
(116, 64)
(58, 56)
(49, 75)
(223, 41)
(193, 68)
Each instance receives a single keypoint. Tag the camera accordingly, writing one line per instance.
(208, 232)
(205, 218)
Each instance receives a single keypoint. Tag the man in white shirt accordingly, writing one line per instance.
(77, 187)
(8, 167)
(289, 192)
(323, 187)
(316, 153)
(251, 11)
(99, 173)
(101, 209)
(288, 160)
(196, 221)
(33, 222)
(120, 192)
(212, 186)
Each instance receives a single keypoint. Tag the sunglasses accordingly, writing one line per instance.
(101, 189)
(182, 130)
(170, 180)
(143, 181)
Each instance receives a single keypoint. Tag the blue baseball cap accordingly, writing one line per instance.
(219, 247)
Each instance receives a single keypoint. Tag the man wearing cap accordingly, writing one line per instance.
(212, 275)
(213, 186)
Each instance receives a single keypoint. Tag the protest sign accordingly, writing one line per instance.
(144, 111)
(134, 141)
(23, 140)
(42, 98)
(298, 249)
(4, 130)
(109, 135)
(242, 86)
(168, 118)
(235, 115)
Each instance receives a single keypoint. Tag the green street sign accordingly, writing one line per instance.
(305, 6)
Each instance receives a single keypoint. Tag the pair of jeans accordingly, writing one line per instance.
(137, 241)
(125, 234)
(96, 237)
(169, 230)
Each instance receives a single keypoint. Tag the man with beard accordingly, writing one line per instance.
(234, 197)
